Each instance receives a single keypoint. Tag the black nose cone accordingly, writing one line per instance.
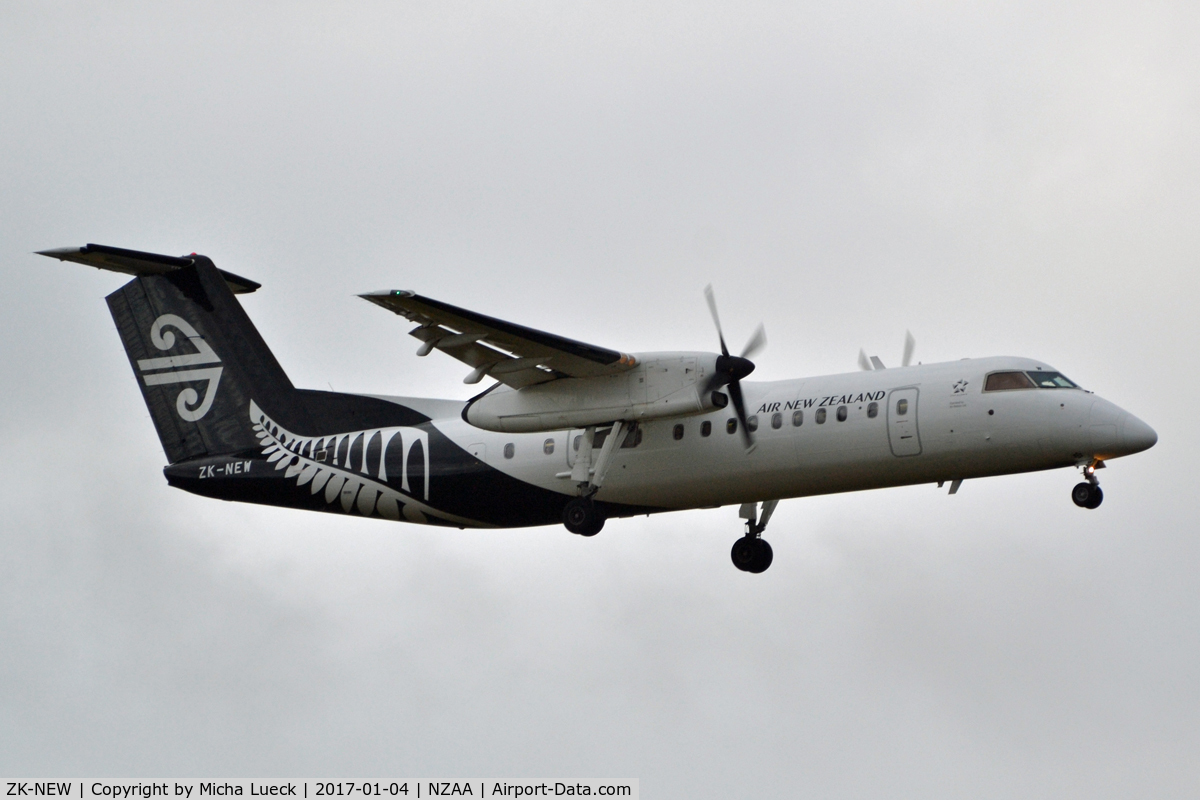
(735, 367)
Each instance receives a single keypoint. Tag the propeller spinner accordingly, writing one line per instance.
(731, 369)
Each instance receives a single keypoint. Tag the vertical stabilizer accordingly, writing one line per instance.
(198, 359)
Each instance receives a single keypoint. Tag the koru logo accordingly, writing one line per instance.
(960, 387)
(185, 404)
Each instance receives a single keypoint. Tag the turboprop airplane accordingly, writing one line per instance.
(570, 432)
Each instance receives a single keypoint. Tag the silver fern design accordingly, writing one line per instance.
(341, 467)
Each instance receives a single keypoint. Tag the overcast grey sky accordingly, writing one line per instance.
(1000, 178)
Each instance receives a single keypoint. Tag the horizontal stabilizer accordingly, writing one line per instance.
(133, 262)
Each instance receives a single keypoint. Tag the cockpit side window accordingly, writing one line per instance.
(1003, 381)
(1051, 380)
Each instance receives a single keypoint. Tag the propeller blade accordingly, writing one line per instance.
(910, 344)
(757, 342)
(731, 369)
(739, 407)
(864, 363)
(712, 306)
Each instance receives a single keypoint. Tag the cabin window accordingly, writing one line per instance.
(510, 450)
(901, 408)
(820, 416)
(599, 436)
(752, 423)
(873, 410)
(578, 441)
(731, 425)
(1003, 381)
(633, 438)
(548, 447)
(842, 413)
(797, 418)
(1051, 380)
(677, 432)
(705, 428)
(777, 420)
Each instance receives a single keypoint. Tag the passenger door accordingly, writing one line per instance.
(902, 422)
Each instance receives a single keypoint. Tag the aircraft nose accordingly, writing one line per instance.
(1136, 435)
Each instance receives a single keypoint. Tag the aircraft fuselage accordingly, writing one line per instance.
(819, 435)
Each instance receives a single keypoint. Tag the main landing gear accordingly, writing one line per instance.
(752, 553)
(1088, 494)
(581, 516)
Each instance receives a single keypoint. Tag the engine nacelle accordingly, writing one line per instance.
(660, 385)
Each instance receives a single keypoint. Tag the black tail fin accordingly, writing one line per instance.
(198, 359)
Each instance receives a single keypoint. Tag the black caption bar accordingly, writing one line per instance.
(418, 790)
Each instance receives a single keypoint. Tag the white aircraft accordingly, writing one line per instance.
(571, 432)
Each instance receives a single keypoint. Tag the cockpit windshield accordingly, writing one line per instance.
(1003, 381)
(1051, 380)
(1034, 379)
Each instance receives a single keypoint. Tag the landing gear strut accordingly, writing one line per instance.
(752, 553)
(1088, 494)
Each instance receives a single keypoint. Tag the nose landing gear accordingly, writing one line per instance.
(1088, 494)
(752, 553)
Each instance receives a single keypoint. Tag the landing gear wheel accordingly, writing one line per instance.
(582, 517)
(743, 553)
(763, 557)
(1087, 495)
(594, 528)
(751, 554)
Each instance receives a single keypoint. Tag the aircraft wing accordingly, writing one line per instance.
(512, 354)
